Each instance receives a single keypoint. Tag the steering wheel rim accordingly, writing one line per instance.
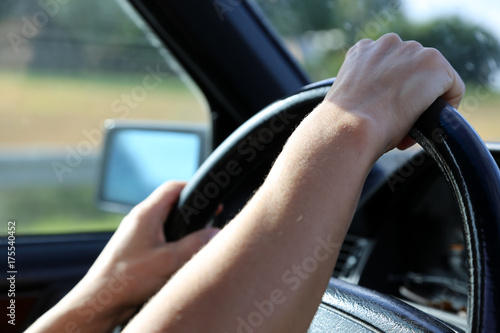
(441, 131)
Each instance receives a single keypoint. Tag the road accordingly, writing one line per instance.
(37, 168)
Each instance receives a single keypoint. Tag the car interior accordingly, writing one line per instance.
(104, 101)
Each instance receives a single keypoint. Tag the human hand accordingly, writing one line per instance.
(133, 266)
(138, 254)
(392, 82)
(139, 257)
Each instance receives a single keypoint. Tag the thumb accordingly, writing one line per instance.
(179, 252)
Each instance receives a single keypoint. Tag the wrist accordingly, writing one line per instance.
(329, 141)
(355, 129)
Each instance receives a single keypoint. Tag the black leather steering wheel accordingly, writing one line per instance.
(463, 158)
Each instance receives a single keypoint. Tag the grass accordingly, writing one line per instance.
(53, 110)
(65, 224)
(54, 209)
(481, 108)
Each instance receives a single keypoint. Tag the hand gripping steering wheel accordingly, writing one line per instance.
(461, 155)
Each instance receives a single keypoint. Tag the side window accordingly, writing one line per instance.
(65, 68)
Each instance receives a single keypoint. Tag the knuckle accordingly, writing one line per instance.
(432, 58)
(364, 41)
(413, 44)
(433, 54)
(139, 212)
(361, 44)
(391, 38)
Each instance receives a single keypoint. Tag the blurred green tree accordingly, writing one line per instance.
(471, 50)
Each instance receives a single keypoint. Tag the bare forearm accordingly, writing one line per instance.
(267, 270)
(79, 311)
(274, 260)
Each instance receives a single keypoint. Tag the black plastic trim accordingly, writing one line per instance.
(240, 65)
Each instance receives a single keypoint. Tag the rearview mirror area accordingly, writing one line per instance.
(138, 157)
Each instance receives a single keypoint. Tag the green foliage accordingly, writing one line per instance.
(365, 18)
(87, 20)
(55, 209)
(292, 17)
(96, 34)
(471, 50)
(301, 22)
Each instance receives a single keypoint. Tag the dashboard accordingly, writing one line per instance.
(409, 239)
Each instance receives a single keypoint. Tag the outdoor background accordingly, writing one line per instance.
(60, 80)
(319, 33)
(64, 70)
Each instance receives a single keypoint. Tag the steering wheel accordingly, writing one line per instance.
(461, 155)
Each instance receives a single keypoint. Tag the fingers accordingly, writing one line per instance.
(392, 63)
(176, 254)
(158, 204)
(393, 82)
(456, 90)
(406, 143)
(441, 76)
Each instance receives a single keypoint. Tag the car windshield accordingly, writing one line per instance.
(319, 32)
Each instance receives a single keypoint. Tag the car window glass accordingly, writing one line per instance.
(65, 68)
(319, 32)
